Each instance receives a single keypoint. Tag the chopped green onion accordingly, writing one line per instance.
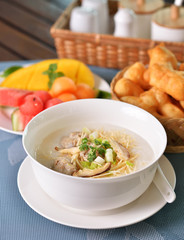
(109, 155)
(129, 164)
(114, 155)
(93, 135)
(86, 130)
(93, 165)
(85, 164)
(99, 160)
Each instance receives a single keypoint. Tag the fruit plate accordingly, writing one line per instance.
(5, 113)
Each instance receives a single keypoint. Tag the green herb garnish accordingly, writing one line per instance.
(101, 151)
(9, 71)
(92, 154)
(84, 147)
(106, 144)
(84, 140)
(52, 74)
(99, 148)
(103, 94)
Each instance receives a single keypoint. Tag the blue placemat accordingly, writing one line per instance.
(20, 222)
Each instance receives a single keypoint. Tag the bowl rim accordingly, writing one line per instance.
(111, 179)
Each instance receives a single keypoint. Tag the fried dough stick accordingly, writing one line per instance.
(167, 80)
(162, 103)
(135, 73)
(161, 55)
(125, 87)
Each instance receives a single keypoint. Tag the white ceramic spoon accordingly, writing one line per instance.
(163, 186)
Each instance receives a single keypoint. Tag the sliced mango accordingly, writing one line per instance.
(38, 80)
(32, 77)
(69, 67)
(19, 79)
(85, 75)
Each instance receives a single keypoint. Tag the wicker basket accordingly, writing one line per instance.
(103, 50)
(174, 126)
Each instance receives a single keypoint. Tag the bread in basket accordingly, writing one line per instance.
(159, 89)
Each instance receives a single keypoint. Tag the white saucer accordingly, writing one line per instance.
(145, 206)
(5, 115)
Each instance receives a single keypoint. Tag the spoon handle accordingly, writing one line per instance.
(163, 186)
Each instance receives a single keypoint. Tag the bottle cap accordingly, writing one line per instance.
(142, 6)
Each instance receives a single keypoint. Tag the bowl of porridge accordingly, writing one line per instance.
(94, 154)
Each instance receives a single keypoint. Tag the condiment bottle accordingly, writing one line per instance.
(143, 9)
(101, 6)
(168, 24)
(124, 23)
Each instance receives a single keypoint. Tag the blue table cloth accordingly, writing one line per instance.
(20, 222)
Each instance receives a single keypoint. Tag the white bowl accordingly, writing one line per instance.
(88, 193)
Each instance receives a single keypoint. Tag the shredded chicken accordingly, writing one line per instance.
(78, 152)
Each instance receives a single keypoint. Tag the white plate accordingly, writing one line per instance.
(5, 119)
(145, 206)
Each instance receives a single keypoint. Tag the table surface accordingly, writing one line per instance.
(25, 35)
(20, 222)
(25, 28)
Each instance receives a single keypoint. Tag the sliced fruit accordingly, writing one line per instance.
(43, 95)
(39, 81)
(19, 79)
(32, 77)
(12, 97)
(65, 97)
(32, 105)
(62, 85)
(84, 75)
(19, 120)
(52, 102)
(84, 91)
(69, 67)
